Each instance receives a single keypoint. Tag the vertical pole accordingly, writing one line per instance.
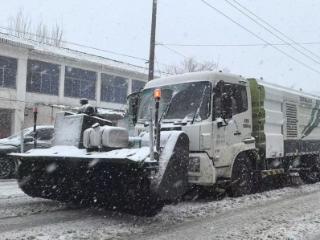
(22, 138)
(151, 138)
(152, 40)
(157, 97)
(35, 115)
(158, 126)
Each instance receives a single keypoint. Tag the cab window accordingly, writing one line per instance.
(229, 100)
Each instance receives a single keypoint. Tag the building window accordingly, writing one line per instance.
(113, 88)
(43, 77)
(80, 83)
(8, 72)
(137, 85)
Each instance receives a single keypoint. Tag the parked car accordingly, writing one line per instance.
(13, 144)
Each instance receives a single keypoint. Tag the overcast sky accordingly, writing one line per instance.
(124, 26)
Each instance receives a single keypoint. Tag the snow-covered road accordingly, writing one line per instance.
(289, 213)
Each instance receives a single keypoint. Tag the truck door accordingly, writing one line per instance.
(232, 122)
(240, 122)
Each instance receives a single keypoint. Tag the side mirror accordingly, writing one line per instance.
(133, 106)
(226, 103)
(221, 122)
(28, 139)
(220, 85)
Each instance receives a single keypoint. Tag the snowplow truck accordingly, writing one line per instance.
(201, 129)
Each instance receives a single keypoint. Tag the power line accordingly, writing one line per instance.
(275, 29)
(74, 50)
(76, 44)
(22, 101)
(59, 106)
(70, 43)
(260, 38)
(12, 100)
(85, 46)
(235, 45)
(159, 69)
(28, 102)
(271, 32)
(173, 50)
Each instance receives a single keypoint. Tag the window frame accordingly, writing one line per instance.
(132, 85)
(76, 80)
(11, 69)
(54, 79)
(242, 104)
(105, 86)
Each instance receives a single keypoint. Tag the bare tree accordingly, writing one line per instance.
(192, 65)
(21, 26)
(56, 35)
(41, 33)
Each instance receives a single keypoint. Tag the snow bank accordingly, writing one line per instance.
(102, 224)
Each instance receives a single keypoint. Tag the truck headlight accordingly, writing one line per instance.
(194, 164)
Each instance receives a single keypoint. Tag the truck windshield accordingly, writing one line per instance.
(186, 101)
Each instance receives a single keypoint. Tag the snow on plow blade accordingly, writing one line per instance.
(124, 178)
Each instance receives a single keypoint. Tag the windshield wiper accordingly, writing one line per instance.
(196, 113)
(164, 113)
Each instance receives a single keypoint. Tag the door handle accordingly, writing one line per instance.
(237, 133)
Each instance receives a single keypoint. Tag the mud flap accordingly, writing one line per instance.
(295, 179)
(171, 181)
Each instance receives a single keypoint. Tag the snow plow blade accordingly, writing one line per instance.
(171, 180)
(134, 184)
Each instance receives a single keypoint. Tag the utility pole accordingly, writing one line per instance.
(152, 40)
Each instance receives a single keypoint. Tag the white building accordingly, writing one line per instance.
(36, 74)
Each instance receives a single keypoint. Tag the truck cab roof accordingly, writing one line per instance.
(213, 77)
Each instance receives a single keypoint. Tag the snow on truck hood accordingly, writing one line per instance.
(135, 154)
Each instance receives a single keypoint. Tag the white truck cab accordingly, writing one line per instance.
(213, 109)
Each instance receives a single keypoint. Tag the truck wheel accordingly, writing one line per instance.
(242, 178)
(148, 208)
(313, 174)
(7, 167)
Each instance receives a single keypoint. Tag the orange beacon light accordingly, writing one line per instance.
(157, 94)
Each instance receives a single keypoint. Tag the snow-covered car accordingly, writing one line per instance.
(13, 144)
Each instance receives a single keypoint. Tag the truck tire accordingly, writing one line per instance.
(145, 203)
(313, 174)
(27, 181)
(242, 178)
(7, 167)
(148, 208)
